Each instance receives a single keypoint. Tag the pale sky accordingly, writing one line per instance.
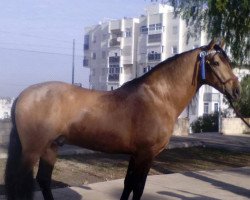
(36, 38)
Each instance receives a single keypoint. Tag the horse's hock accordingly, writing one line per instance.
(5, 126)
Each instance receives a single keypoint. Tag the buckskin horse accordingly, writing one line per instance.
(136, 119)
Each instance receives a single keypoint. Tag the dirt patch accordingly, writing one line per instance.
(77, 170)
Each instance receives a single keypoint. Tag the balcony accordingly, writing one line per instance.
(114, 59)
(154, 57)
(114, 42)
(113, 77)
(154, 38)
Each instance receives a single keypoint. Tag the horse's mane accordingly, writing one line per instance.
(166, 63)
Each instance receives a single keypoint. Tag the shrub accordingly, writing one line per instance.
(206, 123)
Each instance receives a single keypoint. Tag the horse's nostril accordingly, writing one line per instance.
(237, 92)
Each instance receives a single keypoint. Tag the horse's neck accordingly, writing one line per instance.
(176, 83)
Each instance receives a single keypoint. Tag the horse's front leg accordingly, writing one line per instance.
(138, 169)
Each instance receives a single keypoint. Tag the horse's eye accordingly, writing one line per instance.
(215, 63)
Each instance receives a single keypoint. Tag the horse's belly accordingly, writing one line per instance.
(110, 142)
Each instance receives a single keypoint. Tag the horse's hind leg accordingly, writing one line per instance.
(46, 166)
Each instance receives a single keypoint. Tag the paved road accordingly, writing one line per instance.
(211, 185)
(206, 185)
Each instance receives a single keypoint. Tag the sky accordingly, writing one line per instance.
(36, 38)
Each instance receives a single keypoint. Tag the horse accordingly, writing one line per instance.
(136, 119)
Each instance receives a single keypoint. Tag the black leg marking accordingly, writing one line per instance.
(44, 178)
(129, 180)
(136, 177)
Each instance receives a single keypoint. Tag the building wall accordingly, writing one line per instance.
(5, 107)
(5, 127)
(234, 126)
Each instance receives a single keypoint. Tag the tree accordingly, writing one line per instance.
(243, 104)
(227, 19)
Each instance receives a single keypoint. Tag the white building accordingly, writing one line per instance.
(5, 107)
(110, 52)
(117, 51)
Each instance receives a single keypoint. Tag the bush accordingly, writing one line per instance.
(206, 123)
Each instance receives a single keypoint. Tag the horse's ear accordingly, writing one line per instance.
(210, 46)
(222, 43)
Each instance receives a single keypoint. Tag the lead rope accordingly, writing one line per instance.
(238, 113)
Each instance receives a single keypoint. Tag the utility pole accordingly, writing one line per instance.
(73, 63)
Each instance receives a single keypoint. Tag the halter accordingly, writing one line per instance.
(203, 62)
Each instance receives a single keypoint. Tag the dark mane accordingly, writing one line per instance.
(133, 83)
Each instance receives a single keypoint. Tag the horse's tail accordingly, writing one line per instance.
(18, 177)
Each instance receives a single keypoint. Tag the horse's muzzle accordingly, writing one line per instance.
(234, 93)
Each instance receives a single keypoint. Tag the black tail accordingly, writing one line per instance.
(18, 177)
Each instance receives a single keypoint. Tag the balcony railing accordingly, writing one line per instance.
(114, 59)
(114, 42)
(154, 57)
(113, 77)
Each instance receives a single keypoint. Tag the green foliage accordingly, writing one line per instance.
(206, 123)
(228, 19)
(243, 104)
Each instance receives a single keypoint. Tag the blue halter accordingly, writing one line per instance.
(203, 55)
(202, 64)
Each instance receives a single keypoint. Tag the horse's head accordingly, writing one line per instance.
(218, 70)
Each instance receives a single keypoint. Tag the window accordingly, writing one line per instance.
(158, 26)
(216, 107)
(115, 69)
(144, 29)
(206, 108)
(85, 61)
(153, 56)
(86, 42)
(114, 59)
(127, 32)
(174, 50)
(154, 38)
(146, 69)
(153, 27)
